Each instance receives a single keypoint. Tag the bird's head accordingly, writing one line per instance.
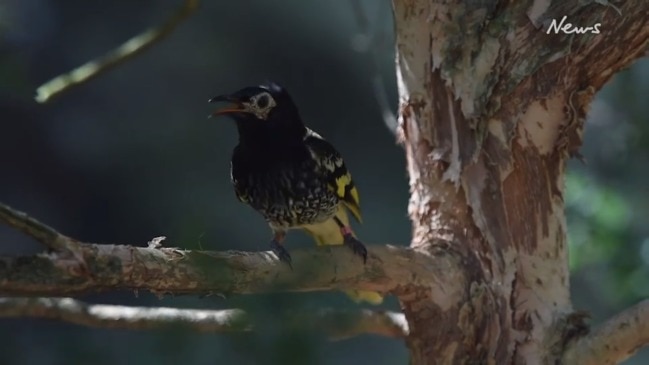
(266, 108)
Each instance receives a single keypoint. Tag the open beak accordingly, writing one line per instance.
(235, 107)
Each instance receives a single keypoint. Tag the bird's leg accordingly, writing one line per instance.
(278, 249)
(352, 242)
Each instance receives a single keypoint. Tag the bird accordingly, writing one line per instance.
(290, 174)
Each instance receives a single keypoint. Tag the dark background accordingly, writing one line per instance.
(131, 156)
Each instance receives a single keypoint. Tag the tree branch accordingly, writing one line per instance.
(39, 231)
(614, 341)
(126, 51)
(624, 36)
(389, 269)
(338, 324)
(171, 270)
(371, 42)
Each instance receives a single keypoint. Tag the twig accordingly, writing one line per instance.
(342, 324)
(117, 316)
(338, 324)
(37, 230)
(126, 51)
(614, 341)
(370, 44)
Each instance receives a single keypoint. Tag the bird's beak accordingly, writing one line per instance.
(236, 107)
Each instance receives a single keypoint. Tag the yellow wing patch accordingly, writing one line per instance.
(341, 184)
(340, 180)
(347, 192)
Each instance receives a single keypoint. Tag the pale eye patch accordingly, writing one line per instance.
(261, 104)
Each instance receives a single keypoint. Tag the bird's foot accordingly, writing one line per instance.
(281, 252)
(357, 246)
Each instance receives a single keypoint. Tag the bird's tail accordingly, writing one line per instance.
(328, 233)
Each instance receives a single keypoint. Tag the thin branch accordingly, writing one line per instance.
(370, 42)
(341, 324)
(338, 324)
(614, 341)
(126, 51)
(35, 229)
(117, 316)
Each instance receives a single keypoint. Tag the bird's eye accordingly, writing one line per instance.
(262, 101)
(261, 105)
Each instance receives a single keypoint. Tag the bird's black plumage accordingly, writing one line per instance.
(283, 182)
(288, 173)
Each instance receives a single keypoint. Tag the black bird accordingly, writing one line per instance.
(290, 174)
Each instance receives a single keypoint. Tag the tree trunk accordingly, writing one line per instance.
(491, 108)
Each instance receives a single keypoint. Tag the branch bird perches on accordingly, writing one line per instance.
(171, 270)
(390, 269)
(164, 270)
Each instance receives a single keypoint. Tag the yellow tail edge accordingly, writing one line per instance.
(328, 233)
(360, 296)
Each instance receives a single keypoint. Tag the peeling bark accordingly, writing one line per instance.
(491, 107)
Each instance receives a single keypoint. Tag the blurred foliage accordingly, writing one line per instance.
(598, 220)
(131, 156)
(607, 200)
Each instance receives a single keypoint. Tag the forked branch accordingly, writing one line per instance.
(43, 233)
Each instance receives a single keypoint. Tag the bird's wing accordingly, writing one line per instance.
(334, 170)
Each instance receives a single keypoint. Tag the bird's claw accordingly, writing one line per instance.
(281, 252)
(357, 246)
